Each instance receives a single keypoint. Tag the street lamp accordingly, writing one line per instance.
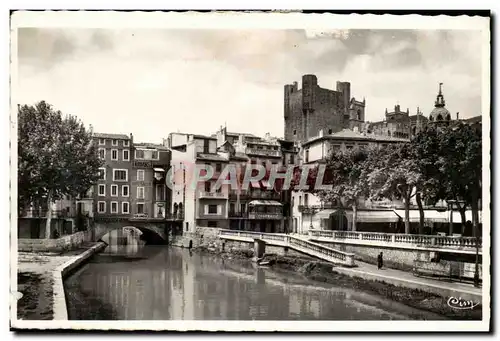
(450, 208)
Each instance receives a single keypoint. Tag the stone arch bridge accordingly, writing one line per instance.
(152, 232)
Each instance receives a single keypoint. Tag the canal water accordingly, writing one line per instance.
(165, 283)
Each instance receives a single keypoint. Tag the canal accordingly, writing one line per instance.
(165, 283)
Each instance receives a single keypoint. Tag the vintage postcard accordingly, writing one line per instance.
(260, 171)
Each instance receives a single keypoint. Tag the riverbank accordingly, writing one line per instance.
(323, 272)
(40, 281)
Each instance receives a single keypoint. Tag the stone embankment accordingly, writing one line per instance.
(40, 281)
(325, 272)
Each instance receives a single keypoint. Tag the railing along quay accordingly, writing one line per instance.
(400, 238)
(298, 244)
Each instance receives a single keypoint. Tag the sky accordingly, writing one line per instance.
(151, 82)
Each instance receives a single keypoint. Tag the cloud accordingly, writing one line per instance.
(151, 82)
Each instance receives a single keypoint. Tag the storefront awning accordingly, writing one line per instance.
(429, 215)
(264, 203)
(159, 170)
(325, 214)
(388, 216)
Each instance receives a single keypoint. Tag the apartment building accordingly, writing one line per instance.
(199, 202)
(149, 193)
(256, 208)
(111, 194)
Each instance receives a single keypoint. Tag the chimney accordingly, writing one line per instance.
(458, 115)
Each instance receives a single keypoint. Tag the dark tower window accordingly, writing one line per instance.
(448, 118)
(295, 132)
(359, 115)
(440, 118)
(330, 131)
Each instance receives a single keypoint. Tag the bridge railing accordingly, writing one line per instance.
(399, 238)
(306, 246)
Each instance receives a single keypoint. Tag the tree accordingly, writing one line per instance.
(394, 174)
(56, 157)
(346, 171)
(460, 165)
(426, 149)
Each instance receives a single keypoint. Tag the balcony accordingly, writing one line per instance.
(267, 195)
(265, 215)
(237, 214)
(212, 195)
(264, 152)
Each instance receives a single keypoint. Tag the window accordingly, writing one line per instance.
(140, 208)
(292, 159)
(231, 207)
(140, 192)
(114, 154)
(114, 190)
(101, 190)
(125, 190)
(102, 142)
(140, 175)
(242, 208)
(295, 132)
(114, 207)
(126, 155)
(160, 192)
(114, 142)
(120, 174)
(101, 206)
(102, 173)
(154, 155)
(125, 207)
(126, 143)
(300, 200)
(212, 209)
(330, 131)
(306, 199)
(307, 155)
(102, 153)
(207, 186)
(139, 154)
(206, 150)
(218, 167)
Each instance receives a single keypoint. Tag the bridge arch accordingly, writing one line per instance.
(150, 233)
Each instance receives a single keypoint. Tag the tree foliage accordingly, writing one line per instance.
(56, 156)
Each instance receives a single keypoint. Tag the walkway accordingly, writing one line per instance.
(363, 270)
(407, 279)
(36, 282)
(296, 243)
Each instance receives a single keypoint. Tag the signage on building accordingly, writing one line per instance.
(143, 164)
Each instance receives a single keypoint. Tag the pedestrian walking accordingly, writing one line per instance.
(380, 260)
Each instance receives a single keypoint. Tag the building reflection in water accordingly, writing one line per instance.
(172, 284)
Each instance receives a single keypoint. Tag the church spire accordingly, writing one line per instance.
(439, 99)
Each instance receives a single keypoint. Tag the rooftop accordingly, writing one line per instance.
(111, 136)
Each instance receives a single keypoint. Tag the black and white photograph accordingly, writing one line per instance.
(266, 171)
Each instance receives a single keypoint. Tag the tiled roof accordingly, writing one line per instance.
(112, 136)
(348, 134)
(211, 157)
(150, 145)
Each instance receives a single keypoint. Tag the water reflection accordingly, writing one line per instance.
(172, 284)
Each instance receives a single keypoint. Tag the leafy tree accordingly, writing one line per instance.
(427, 146)
(347, 173)
(56, 157)
(394, 174)
(460, 165)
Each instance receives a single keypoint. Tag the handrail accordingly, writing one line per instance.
(399, 238)
(299, 244)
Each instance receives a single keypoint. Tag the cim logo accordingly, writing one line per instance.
(460, 303)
